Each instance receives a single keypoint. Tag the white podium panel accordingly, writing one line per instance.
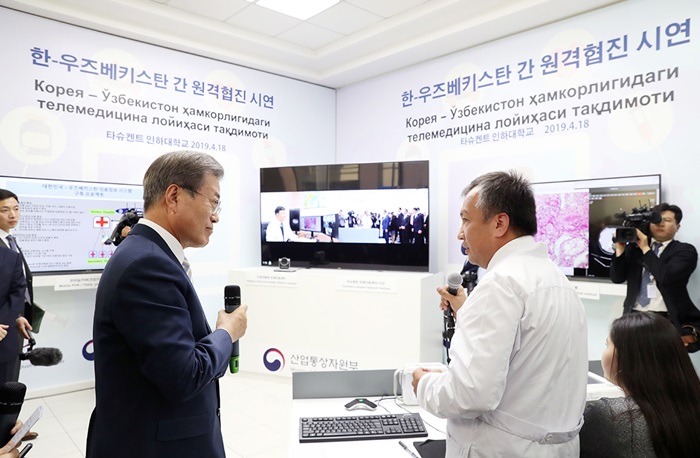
(316, 319)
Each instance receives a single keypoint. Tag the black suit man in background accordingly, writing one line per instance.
(657, 270)
(418, 227)
(393, 227)
(386, 224)
(12, 287)
(405, 227)
(21, 319)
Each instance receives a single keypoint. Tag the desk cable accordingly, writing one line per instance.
(386, 398)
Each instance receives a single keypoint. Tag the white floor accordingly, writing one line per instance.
(255, 411)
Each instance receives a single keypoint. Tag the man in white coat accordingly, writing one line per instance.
(516, 385)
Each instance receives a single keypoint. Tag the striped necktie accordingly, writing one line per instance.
(15, 248)
(186, 266)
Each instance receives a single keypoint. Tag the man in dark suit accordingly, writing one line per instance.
(418, 227)
(9, 219)
(157, 362)
(657, 273)
(12, 287)
(405, 226)
(393, 226)
(386, 223)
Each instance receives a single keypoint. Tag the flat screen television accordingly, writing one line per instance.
(577, 219)
(63, 224)
(335, 213)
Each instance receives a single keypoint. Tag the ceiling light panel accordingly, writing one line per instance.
(300, 9)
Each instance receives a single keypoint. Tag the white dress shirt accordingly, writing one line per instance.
(516, 386)
(273, 233)
(656, 300)
(3, 236)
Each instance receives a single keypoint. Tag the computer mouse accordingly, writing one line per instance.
(360, 404)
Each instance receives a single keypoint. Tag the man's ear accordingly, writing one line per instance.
(171, 196)
(501, 224)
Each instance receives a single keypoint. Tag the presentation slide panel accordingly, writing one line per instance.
(64, 224)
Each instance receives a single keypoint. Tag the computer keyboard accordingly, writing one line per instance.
(361, 427)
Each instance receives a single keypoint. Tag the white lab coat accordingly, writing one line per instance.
(273, 232)
(518, 375)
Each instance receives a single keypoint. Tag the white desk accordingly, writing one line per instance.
(375, 448)
(347, 386)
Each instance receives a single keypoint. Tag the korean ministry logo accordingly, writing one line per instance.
(273, 359)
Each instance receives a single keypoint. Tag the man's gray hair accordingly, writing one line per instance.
(509, 193)
(187, 169)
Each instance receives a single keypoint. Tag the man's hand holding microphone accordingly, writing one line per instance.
(235, 323)
(452, 297)
(233, 319)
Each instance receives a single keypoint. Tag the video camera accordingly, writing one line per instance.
(638, 218)
(130, 217)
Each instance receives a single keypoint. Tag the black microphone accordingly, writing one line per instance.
(11, 400)
(454, 281)
(43, 356)
(232, 300)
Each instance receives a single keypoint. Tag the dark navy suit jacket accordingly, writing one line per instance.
(157, 362)
(12, 286)
(671, 273)
(29, 282)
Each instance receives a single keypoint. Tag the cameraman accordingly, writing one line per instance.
(657, 270)
(123, 227)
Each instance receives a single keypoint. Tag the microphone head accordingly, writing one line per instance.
(12, 393)
(45, 356)
(454, 281)
(231, 291)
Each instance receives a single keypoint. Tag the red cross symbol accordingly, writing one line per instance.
(101, 221)
(92, 254)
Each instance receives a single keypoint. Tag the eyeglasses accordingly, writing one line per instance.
(215, 203)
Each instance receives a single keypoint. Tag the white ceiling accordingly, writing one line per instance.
(352, 41)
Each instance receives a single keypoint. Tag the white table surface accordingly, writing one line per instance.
(379, 448)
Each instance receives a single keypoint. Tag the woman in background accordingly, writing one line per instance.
(660, 413)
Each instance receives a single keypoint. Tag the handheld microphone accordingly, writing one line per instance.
(11, 400)
(232, 300)
(41, 356)
(454, 281)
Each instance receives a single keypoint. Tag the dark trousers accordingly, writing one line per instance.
(9, 371)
